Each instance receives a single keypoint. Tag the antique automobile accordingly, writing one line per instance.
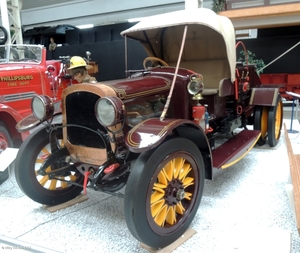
(157, 133)
(25, 72)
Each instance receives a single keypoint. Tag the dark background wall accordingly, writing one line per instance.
(273, 42)
(110, 57)
(107, 48)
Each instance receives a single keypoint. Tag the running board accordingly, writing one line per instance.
(234, 149)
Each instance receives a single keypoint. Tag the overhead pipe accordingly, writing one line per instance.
(193, 4)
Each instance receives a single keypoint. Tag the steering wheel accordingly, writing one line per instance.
(152, 58)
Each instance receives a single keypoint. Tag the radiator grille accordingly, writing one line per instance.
(80, 111)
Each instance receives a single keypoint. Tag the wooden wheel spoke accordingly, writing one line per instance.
(184, 171)
(160, 218)
(52, 186)
(162, 178)
(158, 189)
(275, 116)
(171, 215)
(188, 181)
(45, 151)
(179, 208)
(63, 184)
(264, 122)
(188, 195)
(156, 196)
(39, 160)
(156, 207)
(278, 120)
(178, 165)
(168, 170)
(44, 180)
(158, 185)
(73, 178)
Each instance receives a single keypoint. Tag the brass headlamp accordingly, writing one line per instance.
(195, 86)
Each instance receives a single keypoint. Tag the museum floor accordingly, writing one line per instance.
(246, 208)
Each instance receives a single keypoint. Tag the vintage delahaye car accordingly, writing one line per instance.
(159, 132)
(25, 72)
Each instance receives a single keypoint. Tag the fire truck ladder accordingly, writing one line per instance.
(11, 21)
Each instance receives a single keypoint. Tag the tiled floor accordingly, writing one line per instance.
(245, 208)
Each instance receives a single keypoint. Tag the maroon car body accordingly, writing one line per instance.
(160, 131)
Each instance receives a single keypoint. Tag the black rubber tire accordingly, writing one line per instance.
(5, 133)
(139, 189)
(25, 172)
(275, 119)
(4, 36)
(261, 123)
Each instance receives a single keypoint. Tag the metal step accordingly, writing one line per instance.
(233, 150)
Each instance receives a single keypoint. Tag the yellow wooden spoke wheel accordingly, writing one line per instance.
(163, 192)
(275, 118)
(261, 123)
(43, 188)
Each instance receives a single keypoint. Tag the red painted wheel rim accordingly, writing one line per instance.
(3, 141)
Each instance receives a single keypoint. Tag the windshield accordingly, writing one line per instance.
(21, 53)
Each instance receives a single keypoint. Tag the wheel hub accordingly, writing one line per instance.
(174, 192)
(180, 194)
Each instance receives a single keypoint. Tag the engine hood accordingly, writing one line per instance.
(139, 87)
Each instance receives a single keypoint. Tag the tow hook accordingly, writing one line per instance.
(86, 177)
(102, 171)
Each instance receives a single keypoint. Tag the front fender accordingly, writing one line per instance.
(30, 122)
(150, 133)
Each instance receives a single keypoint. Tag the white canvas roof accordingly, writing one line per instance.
(210, 38)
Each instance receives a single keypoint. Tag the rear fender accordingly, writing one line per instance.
(12, 112)
(10, 117)
(152, 132)
(264, 96)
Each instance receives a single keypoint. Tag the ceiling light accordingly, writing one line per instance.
(132, 20)
(85, 26)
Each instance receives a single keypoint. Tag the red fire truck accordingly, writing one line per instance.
(25, 72)
(288, 82)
